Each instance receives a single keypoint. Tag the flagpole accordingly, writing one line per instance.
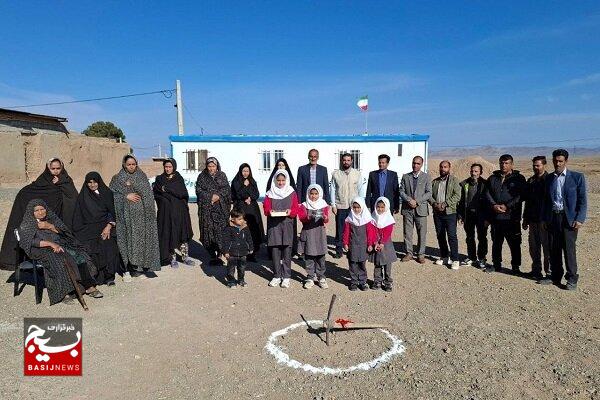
(367, 121)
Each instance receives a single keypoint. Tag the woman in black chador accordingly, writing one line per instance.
(173, 217)
(214, 203)
(45, 238)
(94, 225)
(244, 194)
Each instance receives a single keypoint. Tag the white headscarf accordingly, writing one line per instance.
(314, 205)
(385, 219)
(277, 193)
(363, 217)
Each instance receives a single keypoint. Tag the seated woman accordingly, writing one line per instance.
(94, 225)
(45, 238)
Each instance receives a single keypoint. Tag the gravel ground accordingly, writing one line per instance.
(185, 335)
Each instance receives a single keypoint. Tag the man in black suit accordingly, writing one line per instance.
(383, 182)
(312, 173)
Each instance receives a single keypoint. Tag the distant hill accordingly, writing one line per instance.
(493, 152)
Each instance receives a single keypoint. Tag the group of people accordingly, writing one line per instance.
(132, 227)
(84, 239)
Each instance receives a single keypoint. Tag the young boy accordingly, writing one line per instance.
(237, 244)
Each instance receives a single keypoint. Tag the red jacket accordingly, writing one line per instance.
(267, 206)
(303, 214)
(383, 234)
(371, 234)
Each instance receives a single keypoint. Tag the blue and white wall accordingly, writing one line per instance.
(262, 151)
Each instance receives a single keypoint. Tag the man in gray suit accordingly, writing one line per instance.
(415, 191)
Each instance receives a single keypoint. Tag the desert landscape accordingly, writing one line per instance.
(466, 334)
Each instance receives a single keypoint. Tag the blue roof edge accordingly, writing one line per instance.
(300, 138)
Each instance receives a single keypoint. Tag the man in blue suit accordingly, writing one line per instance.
(383, 182)
(312, 173)
(564, 213)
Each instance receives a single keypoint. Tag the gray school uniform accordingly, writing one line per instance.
(357, 250)
(385, 256)
(280, 230)
(313, 238)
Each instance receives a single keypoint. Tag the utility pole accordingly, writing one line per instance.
(179, 106)
(159, 151)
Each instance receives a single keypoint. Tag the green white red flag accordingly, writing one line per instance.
(363, 103)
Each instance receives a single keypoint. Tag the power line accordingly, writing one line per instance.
(193, 119)
(519, 144)
(168, 93)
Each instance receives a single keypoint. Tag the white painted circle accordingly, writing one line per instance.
(397, 348)
(31, 348)
(74, 353)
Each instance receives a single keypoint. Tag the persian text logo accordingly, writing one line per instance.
(52, 346)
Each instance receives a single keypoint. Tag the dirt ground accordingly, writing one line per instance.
(468, 335)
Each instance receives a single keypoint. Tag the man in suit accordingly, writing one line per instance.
(564, 213)
(312, 173)
(415, 191)
(445, 195)
(383, 183)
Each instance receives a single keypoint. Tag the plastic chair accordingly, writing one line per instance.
(31, 266)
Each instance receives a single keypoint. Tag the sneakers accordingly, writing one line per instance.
(353, 288)
(546, 281)
(441, 261)
(376, 286)
(110, 282)
(323, 283)
(467, 261)
(421, 260)
(455, 265)
(275, 282)
(174, 264)
(285, 283)
(571, 286)
(407, 257)
(242, 283)
(308, 283)
(127, 277)
(387, 287)
(363, 286)
(482, 264)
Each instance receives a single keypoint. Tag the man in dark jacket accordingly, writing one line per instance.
(312, 173)
(533, 196)
(383, 183)
(505, 187)
(473, 213)
(237, 245)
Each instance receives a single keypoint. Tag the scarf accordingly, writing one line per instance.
(385, 219)
(277, 193)
(319, 203)
(363, 217)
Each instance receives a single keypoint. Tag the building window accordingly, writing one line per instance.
(190, 160)
(277, 154)
(355, 158)
(265, 160)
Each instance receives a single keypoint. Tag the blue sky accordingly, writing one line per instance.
(463, 72)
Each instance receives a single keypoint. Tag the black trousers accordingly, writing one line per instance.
(563, 239)
(511, 231)
(315, 266)
(445, 225)
(378, 276)
(358, 272)
(282, 261)
(340, 217)
(234, 263)
(471, 224)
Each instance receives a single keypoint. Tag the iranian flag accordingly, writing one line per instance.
(363, 103)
